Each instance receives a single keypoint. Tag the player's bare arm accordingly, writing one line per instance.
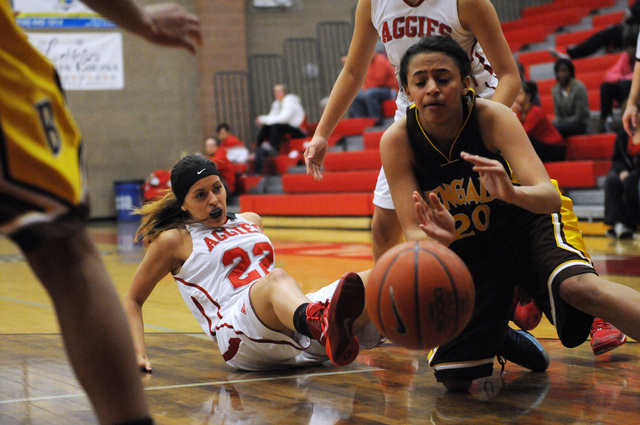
(166, 24)
(345, 89)
(397, 161)
(480, 17)
(159, 260)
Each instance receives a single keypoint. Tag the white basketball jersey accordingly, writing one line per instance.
(400, 25)
(223, 264)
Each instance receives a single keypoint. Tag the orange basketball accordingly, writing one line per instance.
(420, 295)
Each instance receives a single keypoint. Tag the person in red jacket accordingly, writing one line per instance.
(237, 152)
(218, 155)
(380, 84)
(545, 138)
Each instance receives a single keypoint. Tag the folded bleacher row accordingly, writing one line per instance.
(353, 162)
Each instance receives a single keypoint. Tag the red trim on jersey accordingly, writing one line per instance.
(264, 341)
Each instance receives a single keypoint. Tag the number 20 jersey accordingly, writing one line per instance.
(225, 261)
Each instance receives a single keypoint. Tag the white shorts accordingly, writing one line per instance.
(382, 194)
(246, 343)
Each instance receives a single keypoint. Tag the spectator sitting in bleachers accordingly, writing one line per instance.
(621, 204)
(570, 100)
(611, 38)
(617, 84)
(380, 84)
(237, 153)
(285, 119)
(546, 140)
(218, 155)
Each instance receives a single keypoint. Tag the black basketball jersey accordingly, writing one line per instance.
(477, 213)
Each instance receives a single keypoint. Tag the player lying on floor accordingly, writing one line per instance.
(223, 264)
(461, 153)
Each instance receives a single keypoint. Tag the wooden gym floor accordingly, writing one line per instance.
(387, 385)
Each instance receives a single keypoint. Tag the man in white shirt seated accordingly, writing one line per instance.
(286, 118)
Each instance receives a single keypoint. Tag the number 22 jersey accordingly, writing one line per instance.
(225, 261)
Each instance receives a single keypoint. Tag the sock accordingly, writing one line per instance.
(145, 421)
(300, 320)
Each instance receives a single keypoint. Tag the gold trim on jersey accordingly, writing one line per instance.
(470, 100)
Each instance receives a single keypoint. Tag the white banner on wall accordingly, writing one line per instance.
(84, 61)
(57, 14)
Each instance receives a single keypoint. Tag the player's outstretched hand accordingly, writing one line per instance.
(492, 175)
(173, 26)
(435, 220)
(314, 156)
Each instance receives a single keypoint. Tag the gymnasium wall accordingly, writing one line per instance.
(168, 103)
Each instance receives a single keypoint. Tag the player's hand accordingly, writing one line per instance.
(144, 365)
(435, 220)
(314, 156)
(171, 25)
(630, 119)
(492, 175)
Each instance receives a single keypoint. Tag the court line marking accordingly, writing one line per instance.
(200, 384)
(13, 300)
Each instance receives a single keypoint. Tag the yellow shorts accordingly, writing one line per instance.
(41, 174)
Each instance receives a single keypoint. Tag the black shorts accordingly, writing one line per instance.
(540, 253)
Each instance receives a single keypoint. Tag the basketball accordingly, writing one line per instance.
(420, 295)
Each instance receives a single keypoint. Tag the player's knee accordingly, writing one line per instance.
(385, 231)
(457, 386)
(580, 291)
(278, 275)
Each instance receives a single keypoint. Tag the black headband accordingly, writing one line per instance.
(199, 171)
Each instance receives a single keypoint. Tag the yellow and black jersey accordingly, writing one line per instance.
(41, 177)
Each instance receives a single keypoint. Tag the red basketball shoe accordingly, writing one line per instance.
(605, 337)
(331, 322)
(526, 313)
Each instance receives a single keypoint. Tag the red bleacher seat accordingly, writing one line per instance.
(369, 159)
(353, 126)
(570, 38)
(590, 146)
(602, 21)
(577, 174)
(558, 6)
(559, 18)
(594, 100)
(319, 204)
(332, 182)
(246, 183)
(596, 63)
(535, 57)
(372, 139)
(277, 165)
(527, 34)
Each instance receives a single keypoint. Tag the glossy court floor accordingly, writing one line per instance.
(387, 385)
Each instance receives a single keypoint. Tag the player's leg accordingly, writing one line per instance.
(386, 231)
(613, 302)
(561, 257)
(93, 325)
(280, 304)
